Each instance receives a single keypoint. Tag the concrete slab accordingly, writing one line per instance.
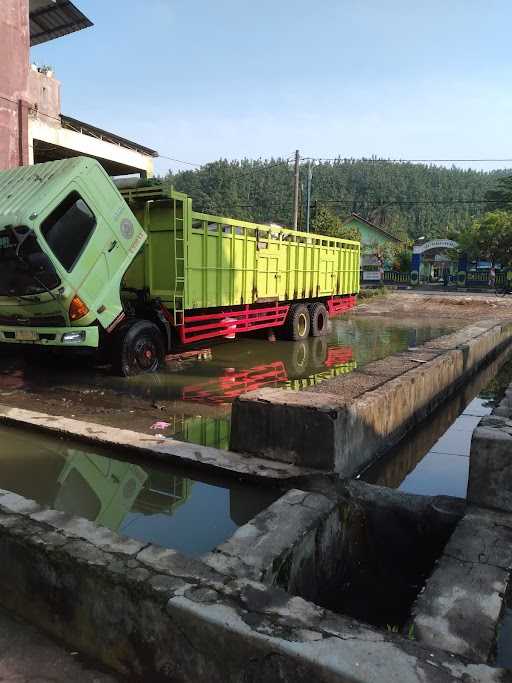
(28, 655)
(490, 468)
(161, 617)
(349, 421)
(165, 449)
(460, 608)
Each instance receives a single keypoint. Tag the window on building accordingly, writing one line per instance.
(68, 229)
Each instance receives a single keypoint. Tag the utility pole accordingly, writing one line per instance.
(296, 191)
(308, 195)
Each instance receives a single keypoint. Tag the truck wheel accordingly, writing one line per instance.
(296, 326)
(297, 366)
(138, 348)
(319, 354)
(319, 319)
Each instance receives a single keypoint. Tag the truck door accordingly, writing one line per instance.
(271, 266)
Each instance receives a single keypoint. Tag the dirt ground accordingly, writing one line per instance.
(438, 306)
(73, 387)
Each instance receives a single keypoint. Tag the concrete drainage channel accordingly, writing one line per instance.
(285, 598)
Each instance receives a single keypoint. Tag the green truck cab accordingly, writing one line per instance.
(138, 272)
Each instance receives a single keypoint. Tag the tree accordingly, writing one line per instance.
(489, 238)
(407, 200)
(326, 222)
(501, 196)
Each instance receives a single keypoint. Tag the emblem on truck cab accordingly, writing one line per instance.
(127, 228)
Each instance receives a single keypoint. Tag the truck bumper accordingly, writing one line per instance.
(70, 337)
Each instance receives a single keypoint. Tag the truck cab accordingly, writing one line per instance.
(66, 240)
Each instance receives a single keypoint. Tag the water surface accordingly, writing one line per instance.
(139, 499)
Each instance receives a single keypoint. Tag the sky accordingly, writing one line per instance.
(200, 80)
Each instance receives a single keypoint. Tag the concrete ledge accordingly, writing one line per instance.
(169, 450)
(343, 424)
(490, 464)
(361, 550)
(259, 548)
(159, 616)
(461, 605)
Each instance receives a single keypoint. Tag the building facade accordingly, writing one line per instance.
(32, 126)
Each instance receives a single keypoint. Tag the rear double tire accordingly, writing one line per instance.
(297, 323)
(138, 348)
(319, 319)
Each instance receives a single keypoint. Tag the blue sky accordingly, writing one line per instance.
(198, 79)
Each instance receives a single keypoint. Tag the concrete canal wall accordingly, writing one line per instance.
(463, 601)
(285, 598)
(344, 423)
(290, 596)
(156, 615)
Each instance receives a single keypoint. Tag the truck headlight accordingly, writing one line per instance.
(73, 337)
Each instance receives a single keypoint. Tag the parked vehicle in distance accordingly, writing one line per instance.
(138, 273)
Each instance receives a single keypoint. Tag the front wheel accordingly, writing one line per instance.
(138, 348)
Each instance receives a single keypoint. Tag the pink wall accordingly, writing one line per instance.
(44, 96)
(14, 66)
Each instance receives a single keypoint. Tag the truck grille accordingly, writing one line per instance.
(39, 321)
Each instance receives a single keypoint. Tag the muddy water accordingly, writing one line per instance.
(191, 400)
(148, 502)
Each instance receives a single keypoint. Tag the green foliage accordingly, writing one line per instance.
(327, 222)
(501, 196)
(408, 200)
(386, 252)
(489, 238)
(403, 260)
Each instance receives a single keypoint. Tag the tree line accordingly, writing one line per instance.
(407, 199)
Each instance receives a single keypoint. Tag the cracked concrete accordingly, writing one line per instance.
(154, 614)
(343, 424)
(460, 607)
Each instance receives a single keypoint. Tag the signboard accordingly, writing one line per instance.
(434, 244)
(371, 275)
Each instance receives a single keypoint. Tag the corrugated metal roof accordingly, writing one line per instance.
(95, 132)
(51, 19)
(26, 190)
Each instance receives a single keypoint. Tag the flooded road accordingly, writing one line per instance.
(191, 400)
(139, 499)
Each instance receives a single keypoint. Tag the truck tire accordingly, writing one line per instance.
(319, 350)
(297, 365)
(319, 319)
(296, 325)
(138, 348)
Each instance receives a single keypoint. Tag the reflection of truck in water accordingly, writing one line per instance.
(82, 267)
(304, 365)
(105, 490)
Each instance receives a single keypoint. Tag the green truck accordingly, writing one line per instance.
(136, 273)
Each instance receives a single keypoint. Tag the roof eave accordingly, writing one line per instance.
(50, 19)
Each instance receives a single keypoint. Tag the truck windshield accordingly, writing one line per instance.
(24, 268)
(68, 229)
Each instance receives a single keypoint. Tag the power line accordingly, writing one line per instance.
(407, 161)
(283, 160)
(179, 161)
